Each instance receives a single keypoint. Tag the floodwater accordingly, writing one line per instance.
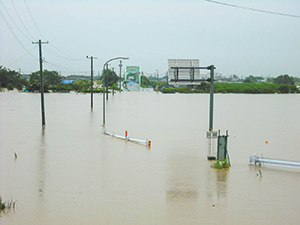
(71, 173)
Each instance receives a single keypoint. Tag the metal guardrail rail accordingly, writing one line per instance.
(145, 142)
(261, 160)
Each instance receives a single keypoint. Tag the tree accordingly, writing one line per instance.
(145, 81)
(10, 76)
(247, 80)
(284, 79)
(80, 85)
(253, 79)
(111, 77)
(51, 78)
(10, 86)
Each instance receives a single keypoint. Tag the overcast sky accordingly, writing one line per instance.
(235, 40)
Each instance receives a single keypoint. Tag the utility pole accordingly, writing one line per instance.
(42, 83)
(157, 82)
(92, 78)
(120, 65)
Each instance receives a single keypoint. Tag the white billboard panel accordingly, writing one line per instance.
(184, 76)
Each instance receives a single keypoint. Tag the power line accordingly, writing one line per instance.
(253, 9)
(21, 20)
(57, 55)
(15, 36)
(23, 56)
(70, 58)
(66, 68)
(34, 20)
(14, 21)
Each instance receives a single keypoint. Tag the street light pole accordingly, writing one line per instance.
(120, 65)
(121, 58)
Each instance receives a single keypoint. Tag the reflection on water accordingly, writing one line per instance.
(42, 165)
(183, 179)
(221, 182)
(71, 166)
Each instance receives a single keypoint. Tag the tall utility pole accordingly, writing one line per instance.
(92, 78)
(157, 82)
(120, 65)
(42, 83)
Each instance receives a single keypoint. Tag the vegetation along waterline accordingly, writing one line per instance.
(53, 82)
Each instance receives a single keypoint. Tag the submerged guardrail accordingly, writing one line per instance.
(126, 138)
(260, 160)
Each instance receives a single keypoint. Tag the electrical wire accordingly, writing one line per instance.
(62, 57)
(69, 57)
(22, 20)
(14, 22)
(253, 9)
(15, 36)
(34, 20)
(66, 68)
(23, 56)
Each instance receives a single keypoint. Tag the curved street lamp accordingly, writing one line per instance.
(124, 58)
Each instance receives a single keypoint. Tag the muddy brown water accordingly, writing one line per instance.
(71, 173)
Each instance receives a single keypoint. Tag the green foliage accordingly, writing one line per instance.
(248, 88)
(145, 81)
(168, 90)
(253, 79)
(10, 86)
(80, 85)
(12, 78)
(61, 88)
(98, 90)
(2, 204)
(111, 77)
(284, 79)
(50, 79)
(220, 164)
(184, 90)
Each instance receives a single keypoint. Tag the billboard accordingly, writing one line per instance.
(184, 71)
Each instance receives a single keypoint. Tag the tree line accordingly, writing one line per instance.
(52, 80)
(11, 79)
(252, 85)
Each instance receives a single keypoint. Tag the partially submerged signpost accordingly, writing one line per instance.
(187, 72)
